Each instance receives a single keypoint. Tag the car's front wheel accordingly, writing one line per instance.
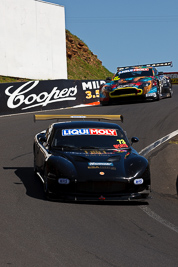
(104, 103)
(170, 92)
(48, 194)
(158, 94)
(46, 189)
(34, 166)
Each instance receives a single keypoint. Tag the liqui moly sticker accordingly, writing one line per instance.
(69, 132)
(131, 70)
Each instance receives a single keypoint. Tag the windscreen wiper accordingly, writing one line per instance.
(90, 147)
(65, 147)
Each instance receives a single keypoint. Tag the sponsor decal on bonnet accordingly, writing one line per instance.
(100, 164)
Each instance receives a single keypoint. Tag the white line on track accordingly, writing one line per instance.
(145, 209)
(156, 217)
(157, 143)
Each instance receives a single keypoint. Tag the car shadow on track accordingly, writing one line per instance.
(112, 203)
(34, 189)
(177, 184)
(129, 102)
(33, 185)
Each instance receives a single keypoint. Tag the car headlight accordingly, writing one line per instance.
(138, 181)
(63, 181)
(108, 88)
(145, 84)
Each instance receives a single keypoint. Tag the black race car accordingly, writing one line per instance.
(89, 160)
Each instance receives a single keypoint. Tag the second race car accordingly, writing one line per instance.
(137, 82)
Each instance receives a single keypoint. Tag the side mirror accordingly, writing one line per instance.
(42, 139)
(134, 140)
(108, 79)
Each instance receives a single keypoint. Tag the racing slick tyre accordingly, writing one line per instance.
(35, 167)
(158, 95)
(104, 103)
(170, 93)
(46, 191)
(49, 196)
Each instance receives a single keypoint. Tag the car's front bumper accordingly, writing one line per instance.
(98, 190)
(126, 92)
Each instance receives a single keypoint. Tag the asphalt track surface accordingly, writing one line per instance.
(38, 233)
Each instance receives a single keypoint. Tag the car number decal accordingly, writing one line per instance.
(122, 144)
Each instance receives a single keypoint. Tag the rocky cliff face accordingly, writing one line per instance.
(75, 47)
(82, 64)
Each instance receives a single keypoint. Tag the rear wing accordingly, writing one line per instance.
(163, 64)
(41, 117)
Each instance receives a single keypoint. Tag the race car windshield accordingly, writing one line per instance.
(89, 138)
(131, 73)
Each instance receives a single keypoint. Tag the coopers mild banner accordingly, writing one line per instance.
(45, 95)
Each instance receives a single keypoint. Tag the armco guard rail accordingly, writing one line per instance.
(32, 96)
